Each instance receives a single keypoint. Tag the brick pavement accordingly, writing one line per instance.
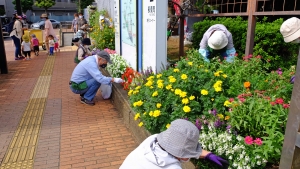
(73, 135)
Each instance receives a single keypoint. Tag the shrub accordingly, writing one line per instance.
(268, 41)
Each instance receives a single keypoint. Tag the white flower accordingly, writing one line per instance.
(258, 163)
(230, 157)
(234, 164)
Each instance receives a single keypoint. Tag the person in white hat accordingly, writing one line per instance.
(103, 20)
(168, 149)
(48, 30)
(290, 30)
(217, 39)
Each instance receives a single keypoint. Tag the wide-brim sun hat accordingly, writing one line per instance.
(290, 29)
(181, 139)
(218, 40)
(44, 15)
(101, 17)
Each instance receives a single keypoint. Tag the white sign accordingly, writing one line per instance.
(149, 34)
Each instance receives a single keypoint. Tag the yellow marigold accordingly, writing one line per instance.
(159, 75)
(183, 76)
(176, 70)
(138, 103)
(135, 92)
(218, 89)
(227, 103)
(183, 94)
(172, 80)
(150, 78)
(159, 81)
(149, 83)
(156, 113)
(130, 92)
(170, 77)
(221, 116)
(151, 113)
(247, 84)
(138, 87)
(160, 85)
(185, 101)
(168, 87)
(141, 124)
(155, 94)
(217, 73)
(212, 99)
(172, 90)
(177, 91)
(151, 87)
(227, 117)
(192, 97)
(204, 92)
(145, 113)
(186, 109)
(168, 125)
(158, 105)
(137, 116)
(190, 63)
(224, 75)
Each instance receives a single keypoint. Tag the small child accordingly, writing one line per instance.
(26, 47)
(35, 44)
(51, 44)
(56, 45)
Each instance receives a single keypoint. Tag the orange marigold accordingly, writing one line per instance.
(247, 84)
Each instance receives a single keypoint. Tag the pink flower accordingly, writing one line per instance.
(258, 57)
(258, 141)
(242, 99)
(272, 103)
(286, 106)
(279, 101)
(231, 99)
(248, 140)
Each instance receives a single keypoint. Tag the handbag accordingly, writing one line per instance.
(106, 91)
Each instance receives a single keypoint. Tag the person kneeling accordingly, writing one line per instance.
(86, 78)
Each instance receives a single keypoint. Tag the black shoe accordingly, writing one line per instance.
(85, 101)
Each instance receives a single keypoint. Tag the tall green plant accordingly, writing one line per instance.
(25, 5)
(46, 4)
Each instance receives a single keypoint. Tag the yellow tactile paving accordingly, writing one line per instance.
(21, 151)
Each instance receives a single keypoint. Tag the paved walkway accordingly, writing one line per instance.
(44, 125)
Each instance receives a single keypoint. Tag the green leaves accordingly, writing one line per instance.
(44, 4)
(25, 5)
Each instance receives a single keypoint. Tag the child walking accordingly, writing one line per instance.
(35, 44)
(56, 45)
(26, 47)
(51, 45)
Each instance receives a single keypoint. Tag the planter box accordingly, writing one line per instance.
(120, 101)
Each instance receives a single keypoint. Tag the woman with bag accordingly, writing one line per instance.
(16, 35)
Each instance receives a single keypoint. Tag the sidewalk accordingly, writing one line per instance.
(44, 125)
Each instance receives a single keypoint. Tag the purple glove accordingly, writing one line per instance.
(218, 160)
(292, 79)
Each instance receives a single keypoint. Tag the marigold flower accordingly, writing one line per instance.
(172, 80)
(183, 94)
(151, 113)
(159, 81)
(177, 91)
(138, 103)
(149, 83)
(141, 124)
(150, 78)
(190, 63)
(160, 85)
(135, 92)
(217, 73)
(212, 99)
(168, 125)
(248, 140)
(159, 75)
(227, 117)
(185, 101)
(227, 103)
(158, 105)
(138, 87)
(151, 87)
(156, 113)
(176, 70)
(155, 94)
(247, 84)
(168, 87)
(130, 92)
(192, 97)
(183, 76)
(218, 89)
(224, 75)
(186, 109)
(137, 116)
(204, 92)
(258, 141)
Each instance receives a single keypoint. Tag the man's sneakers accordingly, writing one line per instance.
(85, 101)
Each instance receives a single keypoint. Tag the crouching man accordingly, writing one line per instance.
(87, 78)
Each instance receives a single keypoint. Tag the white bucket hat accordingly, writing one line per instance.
(218, 40)
(181, 139)
(290, 29)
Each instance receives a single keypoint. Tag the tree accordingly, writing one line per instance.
(46, 4)
(25, 5)
(83, 4)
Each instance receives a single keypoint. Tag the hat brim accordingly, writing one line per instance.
(217, 48)
(292, 37)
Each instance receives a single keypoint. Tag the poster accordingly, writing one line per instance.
(128, 22)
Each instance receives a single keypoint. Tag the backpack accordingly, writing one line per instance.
(35, 42)
(76, 60)
(10, 26)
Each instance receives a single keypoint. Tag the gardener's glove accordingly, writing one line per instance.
(217, 160)
(292, 79)
(118, 80)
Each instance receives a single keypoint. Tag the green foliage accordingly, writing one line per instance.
(102, 34)
(46, 4)
(268, 41)
(25, 5)
(84, 4)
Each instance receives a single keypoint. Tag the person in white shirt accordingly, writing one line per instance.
(16, 35)
(26, 47)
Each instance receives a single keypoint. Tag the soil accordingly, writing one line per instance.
(173, 48)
